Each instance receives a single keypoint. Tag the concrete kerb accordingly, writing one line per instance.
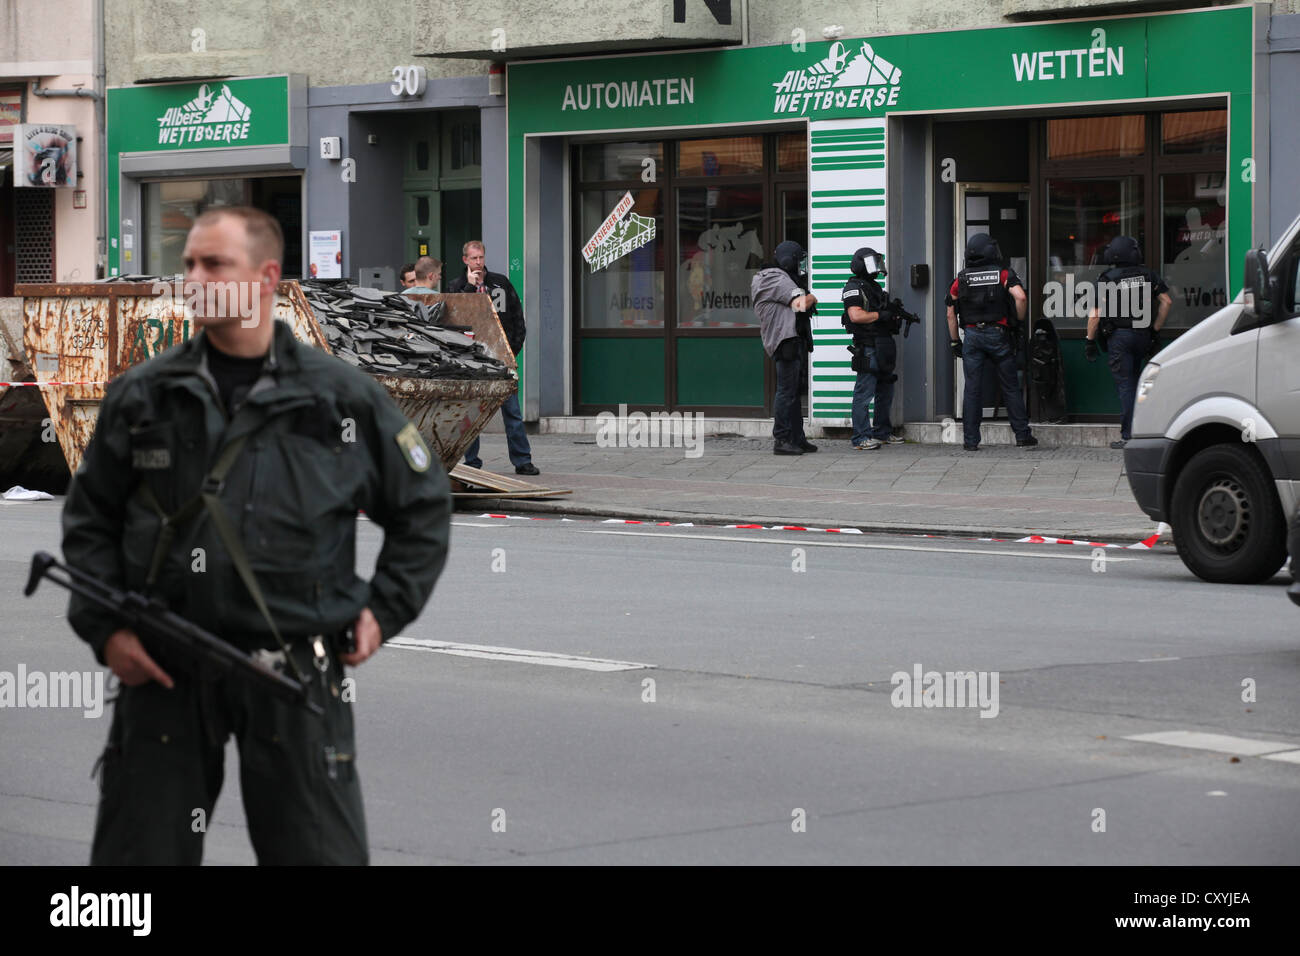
(565, 509)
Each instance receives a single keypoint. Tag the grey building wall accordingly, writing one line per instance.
(1280, 179)
(332, 42)
(349, 42)
(547, 263)
(512, 28)
(496, 202)
(910, 244)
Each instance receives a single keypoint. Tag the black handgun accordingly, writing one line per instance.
(151, 619)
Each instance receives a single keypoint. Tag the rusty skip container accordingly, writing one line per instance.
(79, 336)
(27, 457)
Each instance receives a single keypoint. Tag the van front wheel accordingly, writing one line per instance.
(1227, 520)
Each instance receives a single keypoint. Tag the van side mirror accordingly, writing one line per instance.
(1261, 288)
(1258, 283)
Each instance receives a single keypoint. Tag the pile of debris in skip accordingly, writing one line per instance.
(386, 333)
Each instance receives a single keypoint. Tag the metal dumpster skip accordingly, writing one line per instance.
(78, 336)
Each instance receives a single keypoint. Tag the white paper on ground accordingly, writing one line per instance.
(19, 493)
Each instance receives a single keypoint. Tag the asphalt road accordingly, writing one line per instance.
(772, 705)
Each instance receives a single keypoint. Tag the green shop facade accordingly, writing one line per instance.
(645, 189)
(175, 149)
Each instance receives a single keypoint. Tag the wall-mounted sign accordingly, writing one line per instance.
(217, 114)
(409, 81)
(846, 79)
(11, 113)
(45, 155)
(325, 254)
(620, 233)
(214, 116)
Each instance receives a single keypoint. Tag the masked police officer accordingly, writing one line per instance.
(1125, 292)
(982, 300)
(224, 478)
(875, 353)
(778, 295)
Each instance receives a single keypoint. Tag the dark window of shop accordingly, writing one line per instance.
(171, 206)
(664, 317)
(1159, 177)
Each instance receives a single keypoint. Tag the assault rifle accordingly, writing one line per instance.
(149, 618)
(900, 311)
(803, 320)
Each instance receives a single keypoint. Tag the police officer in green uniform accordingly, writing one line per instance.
(224, 477)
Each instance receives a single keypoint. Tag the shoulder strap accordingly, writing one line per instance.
(209, 498)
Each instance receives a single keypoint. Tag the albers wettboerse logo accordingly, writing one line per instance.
(623, 231)
(213, 116)
(858, 80)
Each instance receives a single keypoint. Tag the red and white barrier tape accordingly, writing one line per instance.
(1144, 545)
(45, 384)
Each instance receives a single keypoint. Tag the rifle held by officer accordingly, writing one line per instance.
(900, 313)
(803, 320)
(149, 618)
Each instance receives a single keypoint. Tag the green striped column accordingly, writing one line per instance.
(846, 185)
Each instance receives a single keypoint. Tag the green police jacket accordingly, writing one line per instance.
(324, 440)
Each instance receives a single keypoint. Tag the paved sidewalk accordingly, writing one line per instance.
(999, 490)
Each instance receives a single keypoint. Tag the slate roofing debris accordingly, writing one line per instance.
(387, 333)
(130, 277)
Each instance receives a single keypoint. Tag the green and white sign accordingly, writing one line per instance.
(190, 118)
(623, 231)
(212, 115)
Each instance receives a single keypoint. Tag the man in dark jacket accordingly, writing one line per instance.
(511, 312)
(224, 478)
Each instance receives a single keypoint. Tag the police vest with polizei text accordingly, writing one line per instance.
(873, 299)
(1127, 279)
(982, 295)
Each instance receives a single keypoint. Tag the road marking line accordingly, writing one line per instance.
(473, 524)
(1290, 756)
(1219, 743)
(853, 544)
(516, 655)
(1152, 660)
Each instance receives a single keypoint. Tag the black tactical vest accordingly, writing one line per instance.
(1119, 289)
(874, 299)
(982, 296)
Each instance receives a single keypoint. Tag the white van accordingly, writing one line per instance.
(1216, 432)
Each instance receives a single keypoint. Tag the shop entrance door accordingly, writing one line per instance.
(1001, 210)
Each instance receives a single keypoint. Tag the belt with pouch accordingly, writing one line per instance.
(342, 641)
